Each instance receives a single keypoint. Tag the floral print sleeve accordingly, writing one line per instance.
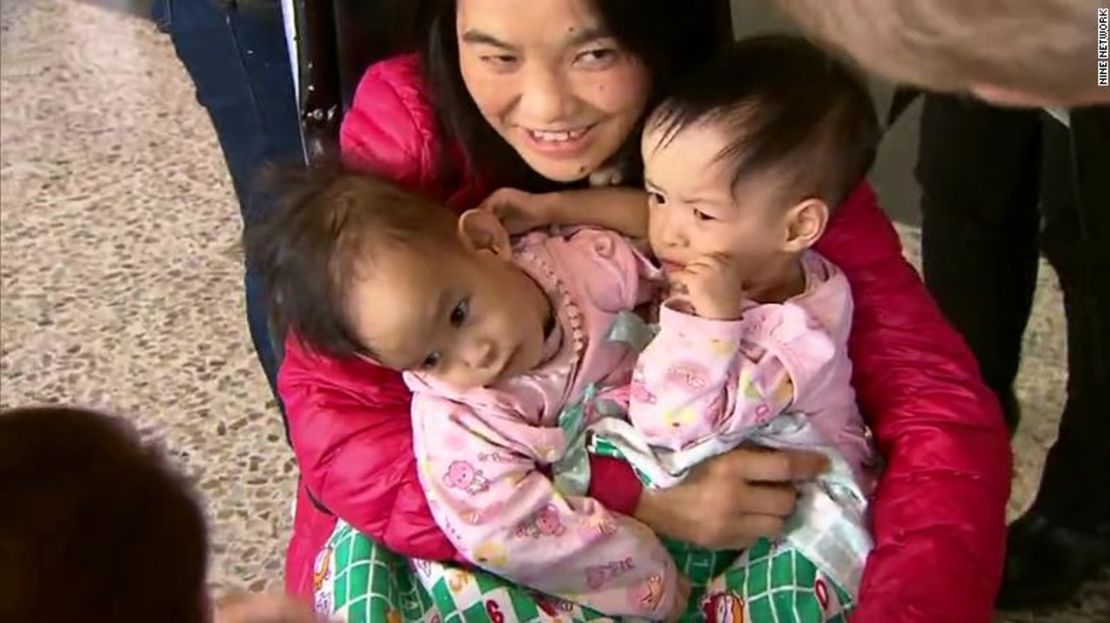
(700, 378)
(486, 490)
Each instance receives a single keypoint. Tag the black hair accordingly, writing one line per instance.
(785, 103)
(96, 527)
(326, 227)
(667, 35)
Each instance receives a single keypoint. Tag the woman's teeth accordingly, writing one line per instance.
(557, 137)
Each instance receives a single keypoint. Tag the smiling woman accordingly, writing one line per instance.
(546, 95)
(555, 93)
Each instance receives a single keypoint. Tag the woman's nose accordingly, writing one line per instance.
(545, 97)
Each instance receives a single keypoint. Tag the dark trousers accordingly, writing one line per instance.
(998, 187)
(238, 61)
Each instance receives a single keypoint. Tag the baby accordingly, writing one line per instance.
(504, 346)
(743, 168)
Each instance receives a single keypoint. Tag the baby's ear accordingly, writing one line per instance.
(805, 224)
(480, 230)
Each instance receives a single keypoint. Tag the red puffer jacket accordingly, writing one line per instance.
(938, 514)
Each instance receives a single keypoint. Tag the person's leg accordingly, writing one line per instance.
(978, 169)
(1065, 536)
(1079, 463)
(238, 60)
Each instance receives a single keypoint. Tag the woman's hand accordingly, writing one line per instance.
(519, 211)
(264, 608)
(733, 499)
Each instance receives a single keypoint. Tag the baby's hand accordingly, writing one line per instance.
(517, 210)
(681, 598)
(712, 286)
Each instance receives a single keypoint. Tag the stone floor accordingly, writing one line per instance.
(120, 278)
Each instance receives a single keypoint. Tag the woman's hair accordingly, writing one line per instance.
(96, 526)
(668, 36)
(322, 236)
(786, 106)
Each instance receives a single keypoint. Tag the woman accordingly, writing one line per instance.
(543, 100)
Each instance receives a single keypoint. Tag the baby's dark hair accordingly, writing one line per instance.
(785, 104)
(96, 527)
(322, 235)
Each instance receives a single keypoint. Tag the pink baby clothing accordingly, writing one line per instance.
(702, 386)
(484, 455)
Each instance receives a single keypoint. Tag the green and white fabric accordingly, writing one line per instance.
(359, 581)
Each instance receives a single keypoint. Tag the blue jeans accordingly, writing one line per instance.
(238, 60)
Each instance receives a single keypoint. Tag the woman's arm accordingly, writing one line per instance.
(623, 210)
(939, 511)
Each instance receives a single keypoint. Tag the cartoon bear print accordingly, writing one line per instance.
(545, 522)
(463, 475)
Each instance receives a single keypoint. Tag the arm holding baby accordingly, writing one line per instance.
(624, 210)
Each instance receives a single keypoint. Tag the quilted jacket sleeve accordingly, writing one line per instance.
(939, 510)
(352, 436)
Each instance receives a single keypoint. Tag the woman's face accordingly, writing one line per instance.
(551, 81)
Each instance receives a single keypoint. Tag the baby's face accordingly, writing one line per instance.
(694, 209)
(465, 317)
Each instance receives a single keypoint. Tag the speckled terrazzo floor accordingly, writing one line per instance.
(121, 283)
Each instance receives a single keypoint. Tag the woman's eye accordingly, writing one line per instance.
(460, 313)
(597, 58)
(656, 198)
(499, 61)
(430, 361)
(702, 216)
